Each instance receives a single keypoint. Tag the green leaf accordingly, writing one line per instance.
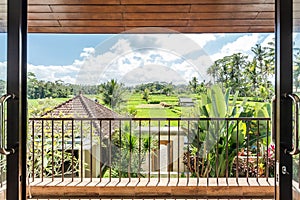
(218, 102)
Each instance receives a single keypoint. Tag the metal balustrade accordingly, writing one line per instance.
(152, 150)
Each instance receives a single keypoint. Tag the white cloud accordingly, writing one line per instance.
(202, 39)
(242, 44)
(121, 47)
(88, 51)
(150, 73)
(269, 38)
(52, 73)
(123, 54)
(205, 62)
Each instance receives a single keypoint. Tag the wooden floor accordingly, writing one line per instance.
(165, 188)
(149, 199)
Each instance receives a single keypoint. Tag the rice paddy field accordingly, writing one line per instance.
(155, 107)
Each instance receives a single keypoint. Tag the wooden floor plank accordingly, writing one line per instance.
(143, 188)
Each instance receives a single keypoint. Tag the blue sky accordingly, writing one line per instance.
(131, 59)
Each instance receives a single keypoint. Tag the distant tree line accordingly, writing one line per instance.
(110, 90)
(156, 87)
(39, 89)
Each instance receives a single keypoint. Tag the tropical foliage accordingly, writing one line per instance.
(129, 152)
(215, 143)
(50, 153)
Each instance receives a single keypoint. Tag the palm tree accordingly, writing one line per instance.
(263, 64)
(112, 93)
(146, 94)
(168, 88)
(193, 84)
(228, 71)
(214, 72)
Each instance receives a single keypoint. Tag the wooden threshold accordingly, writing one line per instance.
(135, 188)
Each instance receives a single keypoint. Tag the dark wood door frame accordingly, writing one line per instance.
(17, 108)
(284, 75)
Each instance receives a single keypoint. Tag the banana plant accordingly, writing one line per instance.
(216, 139)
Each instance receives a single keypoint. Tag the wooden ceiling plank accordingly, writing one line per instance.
(145, 2)
(39, 9)
(107, 23)
(91, 23)
(74, 16)
(87, 9)
(216, 23)
(156, 15)
(43, 23)
(175, 2)
(120, 8)
(76, 30)
(296, 6)
(296, 14)
(3, 9)
(262, 29)
(270, 1)
(196, 29)
(224, 15)
(73, 2)
(94, 16)
(233, 8)
(233, 15)
(160, 23)
(157, 9)
(116, 30)
(233, 2)
(155, 23)
(266, 15)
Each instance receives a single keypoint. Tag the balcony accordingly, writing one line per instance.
(150, 157)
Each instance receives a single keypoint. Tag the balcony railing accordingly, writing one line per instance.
(150, 151)
(150, 147)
